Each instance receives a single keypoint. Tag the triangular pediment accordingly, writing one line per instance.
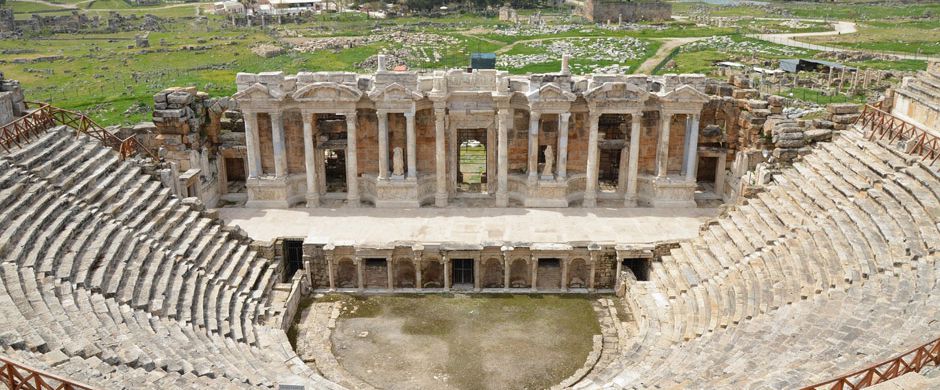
(327, 92)
(394, 91)
(685, 93)
(616, 91)
(551, 93)
(258, 91)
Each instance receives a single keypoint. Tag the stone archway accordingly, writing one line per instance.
(346, 274)
(578, 274)
(493, 273)
(520, 274)
(432, 274)
(404, 273)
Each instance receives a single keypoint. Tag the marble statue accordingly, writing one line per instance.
(549, 163)
(398, 164)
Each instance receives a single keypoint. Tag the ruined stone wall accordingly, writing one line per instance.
(605, 273)
(12, 101)
(265, 143)
(294, 139)
(577, 143)
(426, 142)
(612, 11)
(367, 146)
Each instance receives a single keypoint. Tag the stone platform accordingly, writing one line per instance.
(476, 226)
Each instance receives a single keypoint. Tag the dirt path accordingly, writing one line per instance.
(54, 5)
(839, 28)
(668, 44)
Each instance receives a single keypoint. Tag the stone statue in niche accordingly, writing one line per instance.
(398, 164)
(549, 164)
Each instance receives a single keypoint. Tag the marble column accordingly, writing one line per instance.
(720, 174)
(564, 275)
(562, 166)
(593, 258)
(389, 265)
(502, 150)
(617, 273)
(330, 271)
(383, 144)
(412, 145)
(535, 273)
(360, 274)
(251, 143)
(418, 276)
(590, 188)
(662, 146)
(313, 193)
(533, 146)
(352, 166)
(446, 262)
(477, 283)
(505, 271)
(280, 149)
(685, 143)
(691, 154)
(633, 165)
(440, 158)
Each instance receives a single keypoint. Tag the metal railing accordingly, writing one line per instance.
(23, 129)
(19, 377)
(911, 361)
(883, 124)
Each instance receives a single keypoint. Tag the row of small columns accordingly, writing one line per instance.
(504, 122)
(477, 268)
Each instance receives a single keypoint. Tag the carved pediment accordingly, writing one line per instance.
(684, 94)
(394, 91)
(550, 93)
(616, 91)
(258, 92)
(327, 92)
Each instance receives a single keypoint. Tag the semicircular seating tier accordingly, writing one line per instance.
(832, 268)
(109, 279)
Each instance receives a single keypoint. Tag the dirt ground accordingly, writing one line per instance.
(464, 342)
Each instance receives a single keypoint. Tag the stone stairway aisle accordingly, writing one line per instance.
(107, 276)
(832, 268)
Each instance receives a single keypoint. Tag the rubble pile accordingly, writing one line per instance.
(726, 44)
(617, 50)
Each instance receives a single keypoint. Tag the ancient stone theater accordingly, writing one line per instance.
(734, 245)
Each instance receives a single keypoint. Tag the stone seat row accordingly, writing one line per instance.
(851, 212)
(102, 262)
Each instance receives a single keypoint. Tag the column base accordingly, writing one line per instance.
(630, 201)
(440, 199)
(313, 200)
(502, 199)
(352, 202)
(589, 201)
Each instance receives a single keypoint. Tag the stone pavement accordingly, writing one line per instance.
(379, 226)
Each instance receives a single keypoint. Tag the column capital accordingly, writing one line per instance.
(409, 114)
(535, 113)
(274, 114)
(565, 116)
(441, 111)
(595, 115)
(382, 112)
(638, 114)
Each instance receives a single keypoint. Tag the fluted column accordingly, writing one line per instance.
(313, 193)
(251, 143)
(440, 157)
(562, 167)
(280, 149)
(352, 166)
(383, 144)
(412, 146)
(533, 146)
(662, 147)
(502, 162)
(691, 152)
(590, 188)
(633, 165)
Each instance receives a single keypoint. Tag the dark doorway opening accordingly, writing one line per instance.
(608, 175)
(293, 258)
(463, 271)
(376, 273)
(549, 274)
(335, 167)
(471, 160)
(639, 267)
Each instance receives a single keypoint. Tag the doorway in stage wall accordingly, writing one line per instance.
(471, 160)
(462, 273)
(293, 258)
(335, 169)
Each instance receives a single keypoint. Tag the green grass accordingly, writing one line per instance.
(28, 7)
(818, 97)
